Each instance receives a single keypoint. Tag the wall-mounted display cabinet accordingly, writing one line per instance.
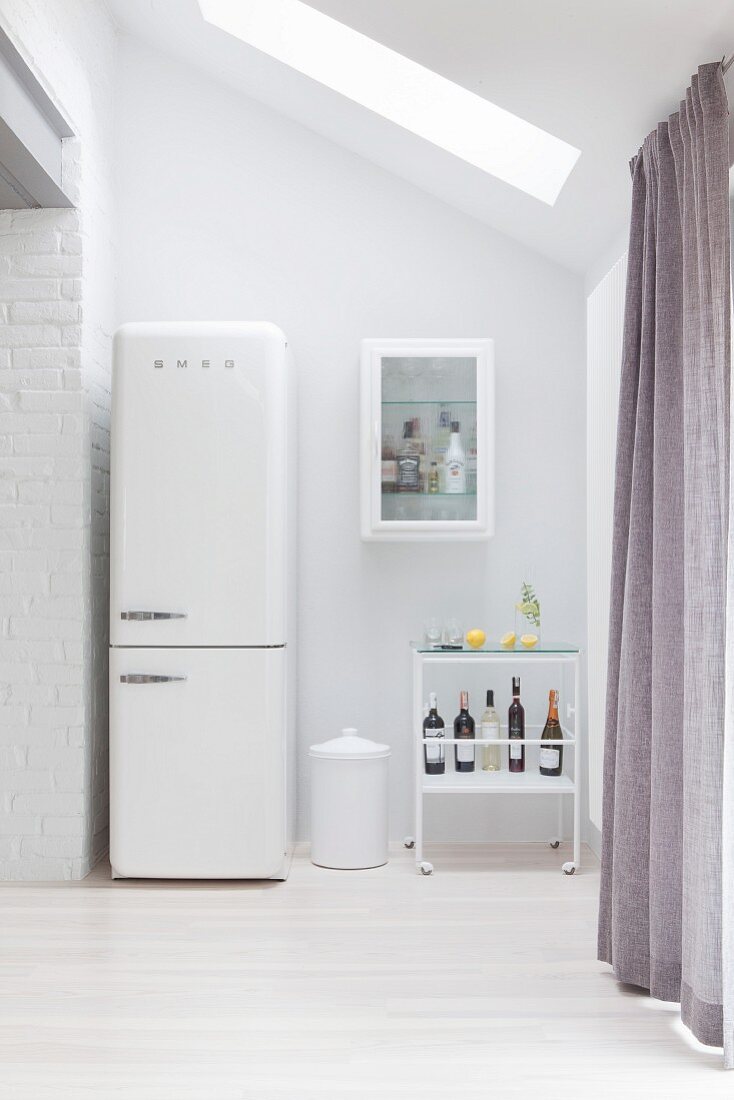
(427, 439)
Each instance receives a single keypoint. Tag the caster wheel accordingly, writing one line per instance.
(425, 868)
(409, 842)
(569, 868)
(554, 843)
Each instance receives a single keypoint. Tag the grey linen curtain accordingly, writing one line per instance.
(660, 921)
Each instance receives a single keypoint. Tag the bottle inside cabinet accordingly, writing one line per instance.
(408, 462)
(455, 461)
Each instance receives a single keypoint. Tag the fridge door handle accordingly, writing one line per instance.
(146, 616)
(147, 678)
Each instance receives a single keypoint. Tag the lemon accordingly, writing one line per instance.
(476, 638)
(529, 640)
(507, 641)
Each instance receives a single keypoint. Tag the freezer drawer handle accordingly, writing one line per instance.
(146, 616)
(147, 678)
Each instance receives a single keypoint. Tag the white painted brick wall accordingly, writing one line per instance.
(56, 286)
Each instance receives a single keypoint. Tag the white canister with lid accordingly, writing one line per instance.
(349, 802)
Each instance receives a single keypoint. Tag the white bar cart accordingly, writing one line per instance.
(430, 664)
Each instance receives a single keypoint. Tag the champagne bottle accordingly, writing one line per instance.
(551, 756)
(433, 726)
(516, 728)
(491, 731)
(464, 728)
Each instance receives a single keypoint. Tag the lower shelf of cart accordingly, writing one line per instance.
(502, 782)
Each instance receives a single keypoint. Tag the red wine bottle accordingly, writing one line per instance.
(433, 726)
(516, 728)
(464, 729)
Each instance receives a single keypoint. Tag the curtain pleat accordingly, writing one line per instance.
(661, 893)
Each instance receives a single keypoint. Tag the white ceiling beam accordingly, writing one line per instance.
(32, 131)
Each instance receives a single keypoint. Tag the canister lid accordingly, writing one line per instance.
(349, 746)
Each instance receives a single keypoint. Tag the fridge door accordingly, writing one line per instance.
(200, 436)
(197, 762)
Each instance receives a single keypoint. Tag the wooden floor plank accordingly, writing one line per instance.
(480, 980)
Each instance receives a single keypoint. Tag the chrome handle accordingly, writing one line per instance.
(147, 678)
(146, 616)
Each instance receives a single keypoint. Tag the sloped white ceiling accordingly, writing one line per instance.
(597, 73)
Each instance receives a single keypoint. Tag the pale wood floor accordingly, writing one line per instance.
(478, 982)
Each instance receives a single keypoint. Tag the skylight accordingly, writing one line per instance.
(400, 90)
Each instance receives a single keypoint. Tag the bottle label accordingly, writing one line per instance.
(490, 730)
(549, 758)
(465, 753)
(515, 752)
(455, 477)
(408, 471)
(434, 753)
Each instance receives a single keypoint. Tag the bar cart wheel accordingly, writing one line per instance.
(569, 868)
(425, 868)
(409, 842)
(554, 842)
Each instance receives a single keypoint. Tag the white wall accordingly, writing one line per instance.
(604, 331)
(227, 210)
(56, 291)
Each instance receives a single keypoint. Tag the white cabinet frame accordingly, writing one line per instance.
(374, 527)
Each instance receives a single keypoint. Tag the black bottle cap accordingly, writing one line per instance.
(515, 685)
(454, 425)
(408, 429)
(490, 698)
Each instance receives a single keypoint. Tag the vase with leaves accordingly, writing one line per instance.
(527, 614)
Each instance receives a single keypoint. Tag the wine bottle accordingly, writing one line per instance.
(433, 727)
(464, 728)
(516, 728)
(455, 462)
(551, 756)
(408, 462)
(492, 756)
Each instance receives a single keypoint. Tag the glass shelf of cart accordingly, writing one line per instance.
(494, 649)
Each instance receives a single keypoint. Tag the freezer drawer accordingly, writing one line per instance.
(197, 762)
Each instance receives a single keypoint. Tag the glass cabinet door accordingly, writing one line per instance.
(427, 439)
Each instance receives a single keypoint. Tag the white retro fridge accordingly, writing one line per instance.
(201, 599)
